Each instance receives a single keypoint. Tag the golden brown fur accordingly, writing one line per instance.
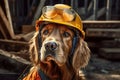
(56, 65)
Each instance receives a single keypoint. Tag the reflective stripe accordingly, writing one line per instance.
(42, 75)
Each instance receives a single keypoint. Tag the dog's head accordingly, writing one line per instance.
(61, 42)
(56, 43)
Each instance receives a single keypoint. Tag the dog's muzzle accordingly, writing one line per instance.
(51, 46)
(50, 50)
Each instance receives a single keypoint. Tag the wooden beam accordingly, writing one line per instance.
(101, 22)
(11, 45)
(11, 62)
(14, 42)
(5, 24)
(2, 31)
(102, 32)
(38, 11)
(110, 53)
(9, 19)
(12, 56)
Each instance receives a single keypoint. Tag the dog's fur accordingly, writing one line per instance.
(56, 64)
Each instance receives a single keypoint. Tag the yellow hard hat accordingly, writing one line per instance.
(61, 14)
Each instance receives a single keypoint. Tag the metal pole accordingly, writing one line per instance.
(117, 9)
(85, 5)
(38, 11)
(108, 9)
(72, 3)
(95, 9)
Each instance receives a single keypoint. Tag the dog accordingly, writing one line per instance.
(58, 50)
(53, 56)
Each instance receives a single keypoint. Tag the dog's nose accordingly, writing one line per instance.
(50, 46)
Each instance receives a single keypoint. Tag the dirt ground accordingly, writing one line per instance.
(97, 69)
(102, 69)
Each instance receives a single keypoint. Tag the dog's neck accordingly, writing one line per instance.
(58, 73)
(67, 73)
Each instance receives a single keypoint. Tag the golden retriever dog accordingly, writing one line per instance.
(60, 50)
(54, 56)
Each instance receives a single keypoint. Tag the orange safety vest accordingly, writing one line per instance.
(36, 74)
(33, 75)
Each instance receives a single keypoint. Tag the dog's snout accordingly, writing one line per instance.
(51, 46)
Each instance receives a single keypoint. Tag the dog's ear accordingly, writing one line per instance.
(33, 50)
(81, 55)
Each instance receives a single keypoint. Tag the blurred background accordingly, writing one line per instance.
(101, 21)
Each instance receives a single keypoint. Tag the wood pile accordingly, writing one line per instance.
(104, 38)
(14, 48)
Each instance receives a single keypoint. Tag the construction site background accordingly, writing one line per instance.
(101, 21)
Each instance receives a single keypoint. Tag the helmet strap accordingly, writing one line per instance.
(74, 45)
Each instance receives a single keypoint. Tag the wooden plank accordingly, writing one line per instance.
(112, 50)
(101, 24)
(107, 43)
(9, 19)
(108, 33)
(2, 31)
(110, 53)
(10, 45)
(11, 62)
(17, 48)
(5, 24)
(12, 56)
(15, 42)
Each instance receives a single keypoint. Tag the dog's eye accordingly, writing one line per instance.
(45, 32)
(66, 34)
